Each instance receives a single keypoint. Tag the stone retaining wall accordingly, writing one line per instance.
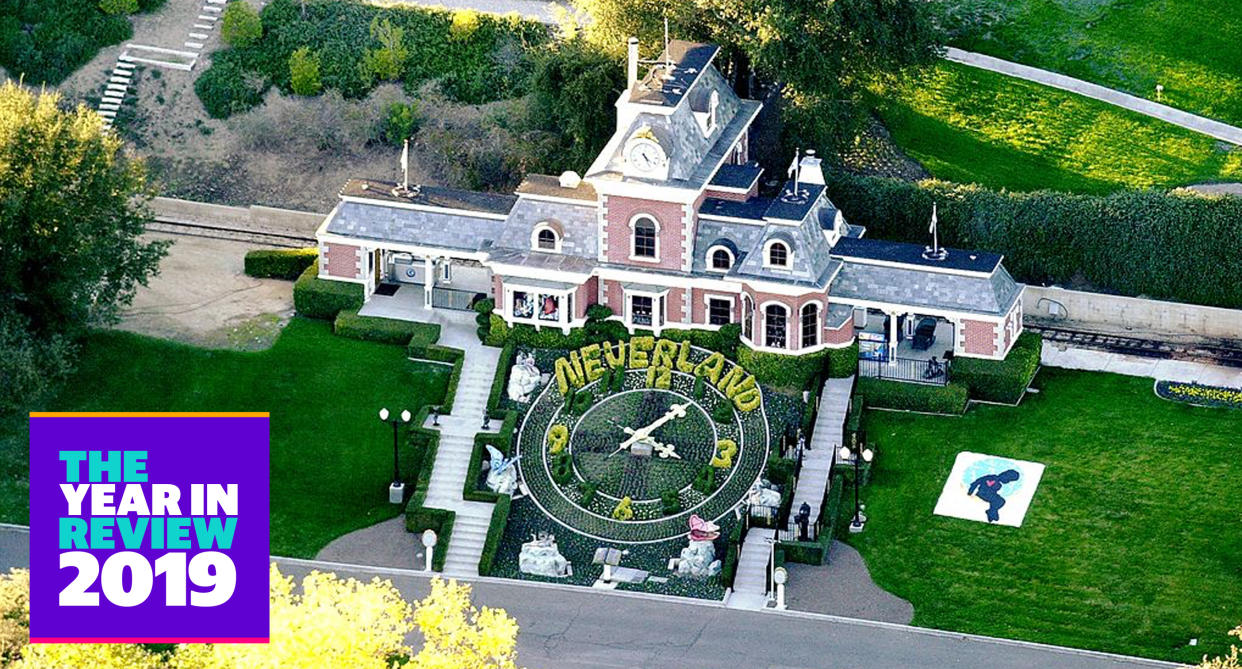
(1129, 315)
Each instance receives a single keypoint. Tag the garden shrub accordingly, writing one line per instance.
(465, 23)
(780, 370)
(384, 63)
(669, 503)
(843, 362)
(401, 121)
(118, 6)
(881, 393)
(285, 264)
(240, 24)
(583, 401)
(314, 297)
(1164, 245)
(500, 381)
(700, 387)
(562, 467)
(588, 493)
(624, 509)
(419, 518)
(705, 480)
(780, 470)
(384, 330)
(1001, 380)
(226, 88)
(723, 413)
(558, 438)
(421, 344)
(304, 72)
(495, 531)
(44, 41)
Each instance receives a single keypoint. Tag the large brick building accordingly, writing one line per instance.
(668, 229)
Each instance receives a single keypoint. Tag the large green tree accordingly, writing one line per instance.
(821, 54)
(73, 206)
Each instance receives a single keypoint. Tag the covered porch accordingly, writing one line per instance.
(904, 346)
(444, 281)
(408, 303)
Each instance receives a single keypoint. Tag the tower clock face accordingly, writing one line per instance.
(645, 155)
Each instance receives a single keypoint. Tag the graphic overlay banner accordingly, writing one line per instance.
(989, 489)
(149, 528)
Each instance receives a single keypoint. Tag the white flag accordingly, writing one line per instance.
(932, 229)
(793, 167)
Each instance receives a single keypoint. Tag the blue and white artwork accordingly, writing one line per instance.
(989, 489)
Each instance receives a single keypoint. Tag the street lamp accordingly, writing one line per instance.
(859, 453)
(396, 491)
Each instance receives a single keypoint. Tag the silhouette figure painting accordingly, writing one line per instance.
(987, 488)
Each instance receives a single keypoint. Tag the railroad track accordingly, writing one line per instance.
(1217, 354)
(215, 231)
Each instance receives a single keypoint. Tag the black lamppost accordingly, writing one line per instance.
(859, 453)
(396, 491)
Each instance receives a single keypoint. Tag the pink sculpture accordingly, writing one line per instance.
(703, 530)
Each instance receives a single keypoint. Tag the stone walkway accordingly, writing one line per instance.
(1200, 124)
(817, 460)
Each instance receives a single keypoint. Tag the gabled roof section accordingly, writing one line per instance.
(666, 85)
(577, 223)
(917, 287)
(878, 251)
(546, 185)
(811, 263)
(431, 196)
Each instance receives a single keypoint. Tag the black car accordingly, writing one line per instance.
(924, 334)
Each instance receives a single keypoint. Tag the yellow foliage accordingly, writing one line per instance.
(456, 635)
(1230, 661)
(624, 510)
(14, 614)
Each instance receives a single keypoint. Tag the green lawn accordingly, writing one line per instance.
(1191, 48)
(1131, 544)
(968, 125)
(331, 458)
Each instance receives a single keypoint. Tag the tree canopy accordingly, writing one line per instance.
(73, 206)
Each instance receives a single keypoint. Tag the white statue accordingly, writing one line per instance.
(762, 494)
(541, 557)
(698, 560)
(501, 475)
(524, 379)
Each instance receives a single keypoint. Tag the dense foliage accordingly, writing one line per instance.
(304, 72)
(360, 45)
(1172, 246)
(44, 41)
(885, 394)
(73, 207)
(574, 86)
(314, 297)
(240, 25)
(285, 264)
(1001, 380)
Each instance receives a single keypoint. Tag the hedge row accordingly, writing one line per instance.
(781, 370)
(1001, 380)
(288, 264)
(472, 489)
(843, 362)
(885, 394)
(816, 552)
(419, 518)
(314, 297)
(1171, 246)
(385, 330)
(733, 548)
(495, 531)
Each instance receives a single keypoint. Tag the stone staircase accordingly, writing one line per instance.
(750, 585)
(448, 475)
(817, 459)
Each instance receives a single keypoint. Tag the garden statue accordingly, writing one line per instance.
(762, 494)
(698, 560)
(541, 557)
(524, 379)
(501, 474)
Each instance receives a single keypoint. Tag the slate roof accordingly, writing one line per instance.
(665, 87)
(432, 196)
(742, 177)
(542, 261)
(418, 227)
(578, 224)
(917, 287)
(912, 254)
(793, 205)
(811, 266)
(837, 315)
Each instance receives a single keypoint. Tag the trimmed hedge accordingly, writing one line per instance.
(816, 552)
(314, 297)
(385, 330)
(419, 518)
(881, 393)
(843, 362)
(285, 264)
(733, 547)
(781, 370)
(495, 531)
(473, 489)
(1005, 380)
(1164, 245)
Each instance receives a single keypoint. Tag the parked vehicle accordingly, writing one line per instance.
(924, 334)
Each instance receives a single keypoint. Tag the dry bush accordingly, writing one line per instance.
(326, 124)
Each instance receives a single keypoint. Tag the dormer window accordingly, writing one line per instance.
(719, 259)
(777, 255)
(645, 243)
(708, 120)
(546, 237)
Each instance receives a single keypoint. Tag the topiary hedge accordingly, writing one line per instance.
(1001, 380)
(1164, 245)
(419, 518)
(285, 264)
(385, 330)
(781, 370)
(314, 297)
(495, 531)
(843, 362)
(884, 394)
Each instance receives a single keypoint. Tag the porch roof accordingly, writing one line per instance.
(418, 227)
(919, 288)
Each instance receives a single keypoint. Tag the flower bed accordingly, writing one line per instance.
(1199, 395)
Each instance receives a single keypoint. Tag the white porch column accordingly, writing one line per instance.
(892, 338)
(429, 271)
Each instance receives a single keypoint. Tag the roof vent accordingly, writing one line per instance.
(570, 179)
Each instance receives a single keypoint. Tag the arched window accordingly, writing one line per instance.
(645, 238)
(546, 237)
(810, 325)
(775, 322)
(748, 318)
(778, 254)
(720, 259)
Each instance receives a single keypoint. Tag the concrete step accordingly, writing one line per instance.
(208, 17)
(203, 26)
(194, 45)
(198, 36)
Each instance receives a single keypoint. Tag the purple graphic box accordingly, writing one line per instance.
(214, 522)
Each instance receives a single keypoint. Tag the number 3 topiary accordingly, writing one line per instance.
(624, 510)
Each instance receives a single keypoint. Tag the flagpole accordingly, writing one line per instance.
(405, 165)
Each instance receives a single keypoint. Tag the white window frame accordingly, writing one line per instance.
(767, 254)
(634, 238)
(819, 325)
(556, 235)
(711, 253)
(707, 308)
(659, 308)
(748, 324)
(763, 309)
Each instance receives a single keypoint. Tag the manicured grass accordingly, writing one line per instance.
(968, 125)
(1131, 544)
(1191, 48)
(331, 457)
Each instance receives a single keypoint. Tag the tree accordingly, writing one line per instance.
(304, 72)
(822, 55)
(574, 86)
(73, 207)
(1230, 661)
(330, 622)
(241, 25)
(385, 62)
